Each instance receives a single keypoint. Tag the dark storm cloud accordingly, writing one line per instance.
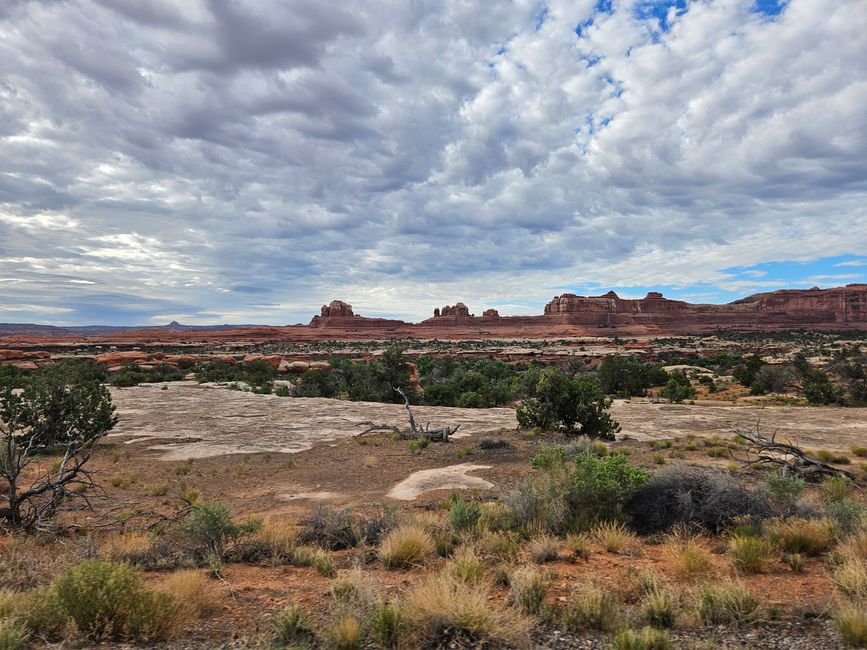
(241, 160)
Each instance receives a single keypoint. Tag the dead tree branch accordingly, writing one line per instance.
(415, 431)
(790, 458)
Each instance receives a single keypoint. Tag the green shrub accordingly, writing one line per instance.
(836, 489)
(847, 515)
(749, 553)
(40, 611)
(464, 515)
(600, 486)
(108, 600)
(214, 531)
(12, 635)
(678, 388)
(785, 491)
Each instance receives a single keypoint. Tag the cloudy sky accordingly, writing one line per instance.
(245, 161)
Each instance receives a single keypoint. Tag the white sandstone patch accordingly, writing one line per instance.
(453, 477)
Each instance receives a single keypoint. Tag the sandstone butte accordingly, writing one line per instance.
(566, 315)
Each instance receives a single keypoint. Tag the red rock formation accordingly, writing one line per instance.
(490, 313)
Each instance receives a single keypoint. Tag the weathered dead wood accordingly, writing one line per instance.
(786, 455)
(415, 431)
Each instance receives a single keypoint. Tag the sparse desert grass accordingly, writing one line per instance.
(315, 557)
(859, 451)
(438, 603)
(850, 578)
(749, 554)
(855, 545)
(353, 593)
(387, 624)
(498, 547)
(726, 602)
(345, 633)
(157, 489)
(593, 608)
(13, 636)
(405, 547)
(277, 539)
(795, 561)
(194, 593)
(528, 587)
(579, 545)
(797, 535)
(466, 566)
(850, 621)
(135, 547)
(647, 638)
(832, 457)
(659, 608)
(689, 557)
(615, 537)
(632, 584)
(292, 625)
(543, 548)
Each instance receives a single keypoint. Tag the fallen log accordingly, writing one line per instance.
(415, 431)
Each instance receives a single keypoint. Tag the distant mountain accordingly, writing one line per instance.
(32, 329)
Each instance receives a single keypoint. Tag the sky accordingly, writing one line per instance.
(231, 161)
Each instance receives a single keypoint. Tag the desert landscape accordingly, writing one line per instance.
(273, 488)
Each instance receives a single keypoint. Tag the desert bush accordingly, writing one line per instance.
(658, 608)
(578, 545)
(592, 608)
(439, 605)
(600, 486)
(678, 388)
(726, 602)
(329, 528)
(464, 515)
(405, 547)
(648, 638)
(528, 588)
(488, 444)
(614, 537)
(213, 530)
(541, 502)
(798, 535)
(836, 489)
(847, 515)
(291, 625)
(108, 600)
(749, 554)
(543, 548)
(850, 578)
(39, 612)
(703, 497)
(498, 547)
(195, 595)
(850, 621)
(387, 624)
(784, 491)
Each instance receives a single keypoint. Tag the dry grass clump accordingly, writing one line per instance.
(648, 638)
(850, 621)
(797, 535)
(291, 625)
(749, 553)
(315, 557)
(439, 604)
(387, 624)
(544, 548)
(278, 540)
(855, 545)
(498, 547)
(528, 589)
(38, 612)
(345, 633)
(726, 602)
(851, 578)
(466, 566)
(615, 537)
(12, 635)
(353, 593)
(633, 584)
(406, 546)
(593, 608)
(579, 545)
(687, 554)
(135, 547)
(659, 608)
(194, 593)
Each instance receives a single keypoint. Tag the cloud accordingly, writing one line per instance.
(228, 159)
